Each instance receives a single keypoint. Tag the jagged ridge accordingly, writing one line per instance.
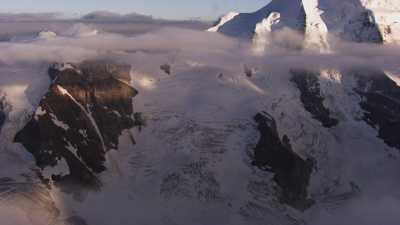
(79, 119)
(354, 20)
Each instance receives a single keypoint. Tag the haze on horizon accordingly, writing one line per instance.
(172, 9)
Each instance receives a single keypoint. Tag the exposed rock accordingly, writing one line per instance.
(310, 95)
(4, 108)
(2, 119)
(79, 119)
(381, 103)
(166, 68)
(292, 173)
(2, 116)
(249, 72)
(363, 28)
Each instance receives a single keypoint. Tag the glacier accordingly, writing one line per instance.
(325, 98)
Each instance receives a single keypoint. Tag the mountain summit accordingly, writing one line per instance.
(375, 21)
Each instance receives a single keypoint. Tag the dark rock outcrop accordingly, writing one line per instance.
(363, 28)
(310, 95)
(4, 108)
(80, 118)
(2, 116)
(381, 104)
(292, 173)
(166, 68)
(2, 119)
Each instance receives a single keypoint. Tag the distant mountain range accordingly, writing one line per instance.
(96, 16)
(9, 17)
(111, 16)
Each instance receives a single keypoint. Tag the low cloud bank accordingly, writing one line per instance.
(81, 41)
(16, 25)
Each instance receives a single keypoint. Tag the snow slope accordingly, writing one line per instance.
(223, 20)
(353, 20)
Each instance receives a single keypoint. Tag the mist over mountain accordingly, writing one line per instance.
(16, 27)
(288, 115)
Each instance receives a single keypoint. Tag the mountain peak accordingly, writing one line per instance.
(376, 21)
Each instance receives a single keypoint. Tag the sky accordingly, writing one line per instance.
(170, 9)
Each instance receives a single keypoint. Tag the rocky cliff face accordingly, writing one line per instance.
(381, 104)
(310, 95)
(291, 172)
(79, 119)
(5, 107)
(2, 113)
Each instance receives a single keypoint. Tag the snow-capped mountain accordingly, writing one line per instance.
(180, 127)
(374, 21)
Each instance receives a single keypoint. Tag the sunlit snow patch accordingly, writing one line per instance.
(223, 20)
(46, 35)
(395, 78)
